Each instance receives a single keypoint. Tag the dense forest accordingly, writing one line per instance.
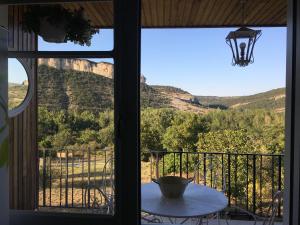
(234, 131)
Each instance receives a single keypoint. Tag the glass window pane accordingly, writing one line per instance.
(19, 84)
(76, 135)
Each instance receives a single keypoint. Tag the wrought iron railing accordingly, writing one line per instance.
(81, 179)
(76, 179)
(251, 180)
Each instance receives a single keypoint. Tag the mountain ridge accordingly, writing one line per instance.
(272, 99)
(69, 89)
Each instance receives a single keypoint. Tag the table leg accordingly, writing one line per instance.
(186, 219)
(200, 221)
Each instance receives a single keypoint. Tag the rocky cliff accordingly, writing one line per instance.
(102, 68)
(60, 89)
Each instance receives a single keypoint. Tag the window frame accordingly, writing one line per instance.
(30, 91)
(292, 130)
(126, 56)
(292, 167)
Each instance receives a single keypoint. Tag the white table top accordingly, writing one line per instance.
(197, 201)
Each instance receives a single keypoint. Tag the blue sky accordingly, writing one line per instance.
(199, 60)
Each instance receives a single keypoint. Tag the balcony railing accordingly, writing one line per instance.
(81, 179)
(251, 180)
(76, 179)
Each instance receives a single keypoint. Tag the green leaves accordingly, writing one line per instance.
(229, 141)
(78, 29)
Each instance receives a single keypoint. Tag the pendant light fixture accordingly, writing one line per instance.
(242, 42)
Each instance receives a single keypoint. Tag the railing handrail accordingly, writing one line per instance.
(75, 149)
(216, 153)
(164, 152)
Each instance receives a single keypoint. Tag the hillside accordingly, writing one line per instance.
(80, 90)
(180, 99)
(16, 93)
(273, 99)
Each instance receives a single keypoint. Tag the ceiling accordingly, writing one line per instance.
(193, 13)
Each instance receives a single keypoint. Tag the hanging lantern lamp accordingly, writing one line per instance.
(242, 42)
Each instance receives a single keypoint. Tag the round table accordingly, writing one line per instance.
(197, 201)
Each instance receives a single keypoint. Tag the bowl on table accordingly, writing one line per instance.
(172, 186)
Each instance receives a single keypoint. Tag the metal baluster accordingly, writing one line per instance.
(157, 165)
(174, 168)
(105, 172)
(60, 181)
(235, 178)
(67, 179)
(151, 161)
(279, 183)
(211, 170)
(247, 183)
(187, 165)
(50, 179)
(82, 179)
(44, 178)
(72, 177)
(89, 177)
(163, 160)
(222, 160)
(198, 169)
(204, 167)
(273, 174)
(95, 174)
(260, 185)
(229, 181)
(180, 164)
(254, 184)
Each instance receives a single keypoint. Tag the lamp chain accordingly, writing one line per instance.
(243, 2)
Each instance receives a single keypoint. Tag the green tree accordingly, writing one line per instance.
(228, 141)
(87, 136)
(154, 123)
(63, 138)
(183, 132)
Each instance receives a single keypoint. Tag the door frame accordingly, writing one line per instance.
(126, 55)
(4, 185)
(292, 150)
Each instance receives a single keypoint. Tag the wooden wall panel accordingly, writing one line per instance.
(193, 13)
(23, 127)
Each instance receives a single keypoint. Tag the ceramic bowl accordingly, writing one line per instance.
(172, 186)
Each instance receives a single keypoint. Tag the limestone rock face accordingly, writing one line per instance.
(102, 68)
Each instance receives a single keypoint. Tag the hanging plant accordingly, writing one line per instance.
(57, 24)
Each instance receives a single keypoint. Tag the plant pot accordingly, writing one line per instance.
(52, 33)
(172, 186)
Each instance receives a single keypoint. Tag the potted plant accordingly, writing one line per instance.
(57, 24)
